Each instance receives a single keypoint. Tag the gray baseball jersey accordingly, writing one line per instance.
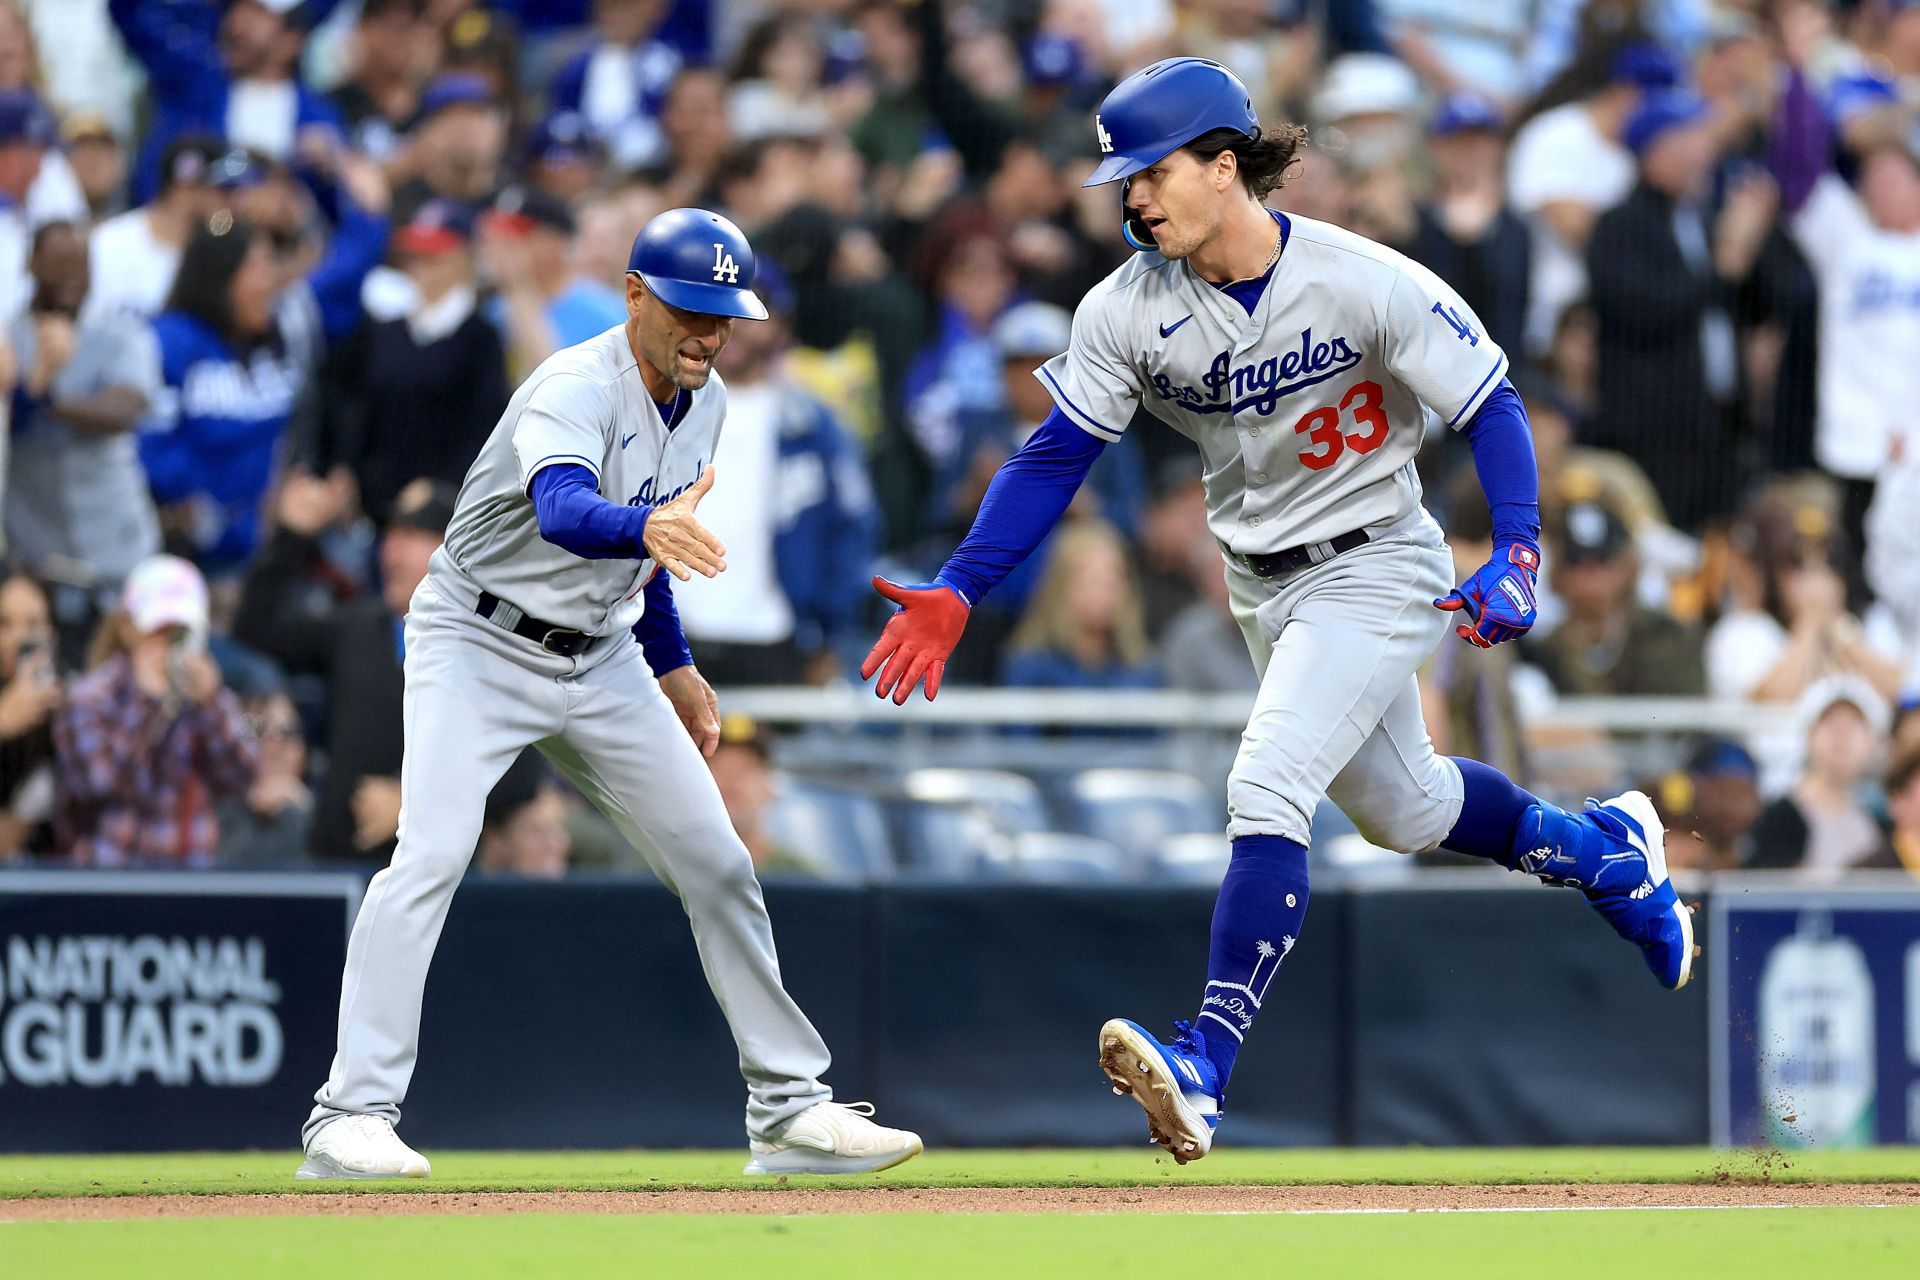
(1309, 412)
(586, 406)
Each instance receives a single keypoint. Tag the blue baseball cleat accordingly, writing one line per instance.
(1616, 854)
(1175, 1084)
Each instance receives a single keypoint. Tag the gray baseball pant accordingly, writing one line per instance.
(476, 696)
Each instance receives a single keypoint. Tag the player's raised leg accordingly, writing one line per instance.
(459, 740)
(627, 750)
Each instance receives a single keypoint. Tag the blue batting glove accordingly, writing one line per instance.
(1499, 597)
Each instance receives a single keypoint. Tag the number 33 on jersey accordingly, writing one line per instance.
(1309, 411)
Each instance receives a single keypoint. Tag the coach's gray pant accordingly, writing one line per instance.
(476, 696)
(1338, 714)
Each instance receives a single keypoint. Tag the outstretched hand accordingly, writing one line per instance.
(679, 543)
(1499, 599)
(918, 639)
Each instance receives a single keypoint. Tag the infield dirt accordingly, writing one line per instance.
(883, 1200)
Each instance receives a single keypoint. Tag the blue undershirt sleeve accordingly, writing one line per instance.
(574, 517)
(1502, 444)
(1026, 499)
(662, 639)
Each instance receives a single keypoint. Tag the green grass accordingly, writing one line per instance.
(208, 1173)
(1859, 1244)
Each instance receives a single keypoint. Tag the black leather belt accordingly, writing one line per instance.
(1275, 564)
(564, 641)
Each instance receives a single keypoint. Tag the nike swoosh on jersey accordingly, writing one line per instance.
(627, 440)
(1166, 330)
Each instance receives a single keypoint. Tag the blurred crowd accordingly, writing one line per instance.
(270, 270)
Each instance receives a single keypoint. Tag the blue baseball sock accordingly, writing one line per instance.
(1490, 814)
(1256, 920)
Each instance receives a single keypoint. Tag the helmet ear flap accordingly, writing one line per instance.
(1133, 229)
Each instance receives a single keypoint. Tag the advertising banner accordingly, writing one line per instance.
(1816, 1014)
(166, 1011)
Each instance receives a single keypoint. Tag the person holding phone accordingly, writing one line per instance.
(151, 740)
(29, 695)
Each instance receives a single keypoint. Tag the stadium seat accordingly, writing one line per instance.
(1194, 859)
(1137, 809)
(1013, 803)
(951, 842)
(1057, 857)
(840, 832)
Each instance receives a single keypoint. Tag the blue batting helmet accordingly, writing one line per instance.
(697, 261)
(1161, 108)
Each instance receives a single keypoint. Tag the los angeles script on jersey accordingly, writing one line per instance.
(1230, 389)
(648, 498)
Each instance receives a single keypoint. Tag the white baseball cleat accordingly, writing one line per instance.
(833, 1137)
(360, 1147)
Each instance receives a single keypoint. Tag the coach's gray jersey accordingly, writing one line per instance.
(585, 406)
(1309, 412)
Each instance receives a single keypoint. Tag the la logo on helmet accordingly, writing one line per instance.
(1106, 139)
(724, 267)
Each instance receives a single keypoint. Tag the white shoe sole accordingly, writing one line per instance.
(325, 1167)
(1137, 1069)
(810, 1160)
(1639, 806)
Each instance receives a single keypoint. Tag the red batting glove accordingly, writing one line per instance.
(918, 639)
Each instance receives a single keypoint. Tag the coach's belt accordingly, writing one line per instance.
(1275, 564)
(565, 641)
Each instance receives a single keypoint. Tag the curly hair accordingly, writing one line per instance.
(1265, 155)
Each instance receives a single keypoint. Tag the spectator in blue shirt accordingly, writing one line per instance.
(229, 70)
(237, 345)
(620, 81)
(544, 303)
(1083, 627)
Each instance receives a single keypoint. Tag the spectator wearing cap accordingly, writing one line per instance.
(150, 742)
(1467, 232)
(524, 831)
(76, 494)
(742, 768)
(98, 161)
(455, 147)
(416, 395)
(619, 82)
(1862, 241)
(1566, 167)
(1665, 270)
(1712, 807)
(1823, 824)
(1368, 101)
(562, 157)
(1026, 337)
(1609, 643)
(544, 302)
(27, 130)
(229, 70)
(55, 192)
(356, 645)
(797, 517)
(136, 254)
(392, 55)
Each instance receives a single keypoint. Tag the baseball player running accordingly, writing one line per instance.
(1304, 361)
(524, 634)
